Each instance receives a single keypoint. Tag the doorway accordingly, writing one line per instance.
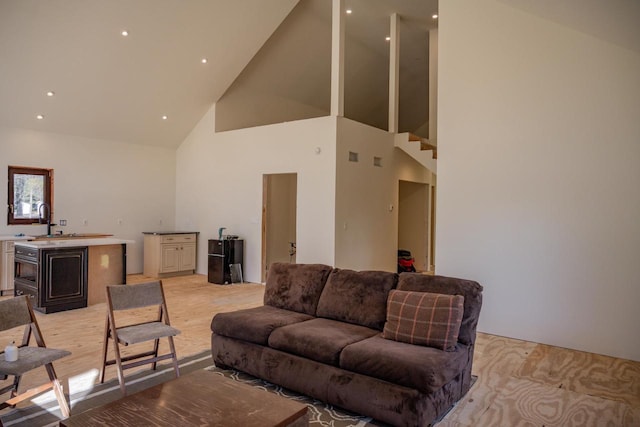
(279, 200)
(414, 222)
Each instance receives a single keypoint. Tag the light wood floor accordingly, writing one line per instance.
(519, 382)
(191, 301)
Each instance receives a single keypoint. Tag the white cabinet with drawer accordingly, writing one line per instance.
(6, 266)
(169, 254)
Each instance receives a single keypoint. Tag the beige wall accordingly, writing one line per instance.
(366, 215)
(97, 180)
(366, 89)
(219, 184)
(538, 175)
(289, 78)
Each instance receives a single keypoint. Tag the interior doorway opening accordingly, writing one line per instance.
(279, 214)
(414, 222)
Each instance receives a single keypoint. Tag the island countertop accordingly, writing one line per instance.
(70, 243)
(14, 237)
(162, 233)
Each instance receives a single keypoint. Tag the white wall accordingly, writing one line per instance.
(366, 88)
(538, 199)
(366, 226)
(219, 184)
(289, 78)
(100, 181)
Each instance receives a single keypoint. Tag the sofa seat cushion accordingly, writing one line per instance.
(423, 368)
(358, 297)
(254, 324)
(321, 340)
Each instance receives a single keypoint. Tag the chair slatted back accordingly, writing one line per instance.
(126, 297)
(132, 297)
(14, 312)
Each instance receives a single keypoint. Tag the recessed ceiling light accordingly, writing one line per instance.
(388, 38)
(51, 93)
(165, 117)
(124, 33)
(349, 11)
(434, 16)
(204, 60)
(39, 117)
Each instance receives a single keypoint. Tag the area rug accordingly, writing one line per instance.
(85, 394)
(320, 414)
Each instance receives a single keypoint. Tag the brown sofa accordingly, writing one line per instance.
(320, 333)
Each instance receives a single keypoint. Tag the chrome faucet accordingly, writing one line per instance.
(45, 219)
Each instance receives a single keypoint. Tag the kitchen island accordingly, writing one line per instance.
(64, 274)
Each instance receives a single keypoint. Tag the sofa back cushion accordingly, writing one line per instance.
(358, 297)
(423, 318)
(470, 290)
(295, 287)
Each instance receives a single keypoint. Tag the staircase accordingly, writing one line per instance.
(425, 153)
(425, 145)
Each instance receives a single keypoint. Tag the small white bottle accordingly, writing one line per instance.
(11, 352)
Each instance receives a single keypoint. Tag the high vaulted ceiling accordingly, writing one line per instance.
(118, 88)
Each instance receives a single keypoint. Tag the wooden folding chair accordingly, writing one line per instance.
(17, 312)
(129, 297)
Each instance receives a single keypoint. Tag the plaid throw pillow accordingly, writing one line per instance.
(423, 318)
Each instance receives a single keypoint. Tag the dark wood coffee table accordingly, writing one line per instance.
(199, 398)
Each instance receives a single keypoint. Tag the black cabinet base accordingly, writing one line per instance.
(62, 307)
(54, 279)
